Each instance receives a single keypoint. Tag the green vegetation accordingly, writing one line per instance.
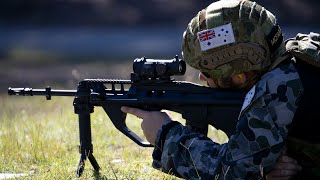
(40, 138)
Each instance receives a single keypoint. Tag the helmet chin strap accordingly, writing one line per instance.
(251, 80)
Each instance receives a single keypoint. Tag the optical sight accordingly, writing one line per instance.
(146, 68)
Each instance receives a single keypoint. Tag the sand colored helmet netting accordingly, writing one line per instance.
(230, 37)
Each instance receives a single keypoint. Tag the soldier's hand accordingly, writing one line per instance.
(285, 168)
(152, 121)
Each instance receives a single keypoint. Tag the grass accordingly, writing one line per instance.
(40, 138)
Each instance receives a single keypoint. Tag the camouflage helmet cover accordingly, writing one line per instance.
(257, 39)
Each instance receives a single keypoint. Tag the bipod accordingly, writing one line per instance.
(83, 108)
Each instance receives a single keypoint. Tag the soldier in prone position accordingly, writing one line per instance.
(238, 44)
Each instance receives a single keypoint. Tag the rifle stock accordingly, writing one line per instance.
(199, 105)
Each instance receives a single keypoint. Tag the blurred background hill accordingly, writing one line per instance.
(134, 13)
(63, 41)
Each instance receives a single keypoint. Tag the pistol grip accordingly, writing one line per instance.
(118, 119)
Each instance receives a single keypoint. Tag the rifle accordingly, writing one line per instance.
(151, 88)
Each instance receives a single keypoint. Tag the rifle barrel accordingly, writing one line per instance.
(48, 92)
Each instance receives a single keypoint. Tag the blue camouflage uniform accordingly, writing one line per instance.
(261, 130)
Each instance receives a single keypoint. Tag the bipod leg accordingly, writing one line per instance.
(85, 148)
(81, 163)
(83, 108)
(94, 163)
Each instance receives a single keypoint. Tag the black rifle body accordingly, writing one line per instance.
(200, 106)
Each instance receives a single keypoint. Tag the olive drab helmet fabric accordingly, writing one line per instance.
(232, 36)
(305, 47)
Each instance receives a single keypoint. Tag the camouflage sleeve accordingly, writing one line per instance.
(255, 146)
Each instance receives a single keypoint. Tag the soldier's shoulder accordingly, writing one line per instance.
(283, 75)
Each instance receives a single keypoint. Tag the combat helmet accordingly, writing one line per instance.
(232, 36)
